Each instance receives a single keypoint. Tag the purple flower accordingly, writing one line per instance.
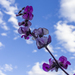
(46, 67)
(43, 41)
(25, 23)
(25, 31)
(53, 65)
(28, 16)
(40, 32)
(26, 36)
(27, 13)
(73, 74)
(64, 62)
(28, 9)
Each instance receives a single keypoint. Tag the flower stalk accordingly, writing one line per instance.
(41, 40)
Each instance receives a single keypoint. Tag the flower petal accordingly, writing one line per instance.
(63, 59)
(45, 67)
(45, 31)
(49, 39)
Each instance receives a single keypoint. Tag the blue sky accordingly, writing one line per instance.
(21, 57)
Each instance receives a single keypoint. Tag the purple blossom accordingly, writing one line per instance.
(46, 67)
(53, 65)
(28, 16)
(40, 32)
(64, 62)
(25, 31)
(28, 9)
(28, 13)
(25, 23)
(43, 41)
(26, 36)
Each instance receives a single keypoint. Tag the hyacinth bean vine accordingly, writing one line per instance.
(41, 40)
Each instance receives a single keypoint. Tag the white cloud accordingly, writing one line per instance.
(2, 23)
(47, 16)
(34, 51)
(14, 21)
(66, 35)
(10, 10)
(1, 73)
(15, 67)
(28, 65)
(37, 70)
(1, 44)
(73, 54)
(3, 34)
(29, 41)
(16, 31)
(74, 71)
(7, 67)
(63, 51)
(16, 37)
(72, 57)
(50, 48)
(55, 55)
(67, 9)
(58, 48)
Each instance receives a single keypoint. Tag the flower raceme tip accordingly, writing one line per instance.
(27, 13)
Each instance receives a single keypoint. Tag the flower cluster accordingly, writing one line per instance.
(26, 15)
(41, 40)
(53, 65)
(38, 34)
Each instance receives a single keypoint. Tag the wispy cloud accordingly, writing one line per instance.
(1, 73)
(29, 41)
(3, 23)
(67, 10)
(73, 54)
(63, 51)
(55, 55)
(47, 16)
(16, 37)
(7, 67)
(4, 34)
(11, 8)
(16, 31)
(15, 67)
(1, 44)
(66, 35)
(57, 48)
(28, 65)
(72, 57)
(34, 51)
